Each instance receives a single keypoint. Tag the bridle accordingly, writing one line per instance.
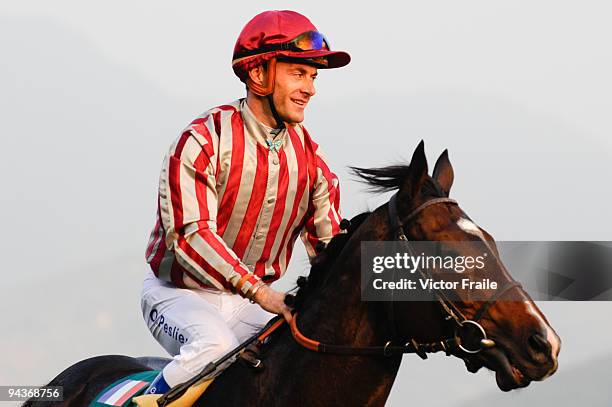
(453, 313)
(447, 345)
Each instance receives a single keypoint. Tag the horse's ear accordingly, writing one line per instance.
(418, 163)
(443, 172)
(418, 171)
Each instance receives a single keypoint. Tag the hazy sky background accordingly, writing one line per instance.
(92, 94)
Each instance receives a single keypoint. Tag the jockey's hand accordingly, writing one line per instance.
(273, 301)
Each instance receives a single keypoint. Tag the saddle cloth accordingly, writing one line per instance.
(126, 392)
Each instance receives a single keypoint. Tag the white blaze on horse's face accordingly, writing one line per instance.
(473, 229)
(470, 227)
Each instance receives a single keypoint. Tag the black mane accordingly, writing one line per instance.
(392, 177)
(324, 261)
(383, 179)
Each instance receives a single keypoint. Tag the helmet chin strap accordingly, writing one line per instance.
(267, 90)
(280, 123)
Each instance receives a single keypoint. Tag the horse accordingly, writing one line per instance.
(517, 341)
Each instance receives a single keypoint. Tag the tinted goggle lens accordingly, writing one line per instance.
(310, 41)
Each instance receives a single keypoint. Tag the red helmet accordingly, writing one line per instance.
(282, 33)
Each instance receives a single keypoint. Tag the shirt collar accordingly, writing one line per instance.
(257, 128)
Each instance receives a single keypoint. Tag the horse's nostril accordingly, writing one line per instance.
(539, 344)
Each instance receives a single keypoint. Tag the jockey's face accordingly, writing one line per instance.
(294, 86)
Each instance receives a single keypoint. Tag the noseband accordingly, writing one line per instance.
(453, 313)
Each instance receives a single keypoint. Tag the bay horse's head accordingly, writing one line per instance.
(522, 346)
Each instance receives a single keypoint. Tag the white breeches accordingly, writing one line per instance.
(197, 326)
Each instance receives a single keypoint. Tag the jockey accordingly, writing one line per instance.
(237, 187)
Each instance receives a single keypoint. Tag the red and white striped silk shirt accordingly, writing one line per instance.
(230, 207)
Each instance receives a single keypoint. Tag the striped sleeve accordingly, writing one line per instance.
(323, 218)
(188, 208)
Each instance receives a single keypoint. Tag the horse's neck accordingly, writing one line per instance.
(338, 316)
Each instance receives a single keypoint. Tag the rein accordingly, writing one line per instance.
(453, 313)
